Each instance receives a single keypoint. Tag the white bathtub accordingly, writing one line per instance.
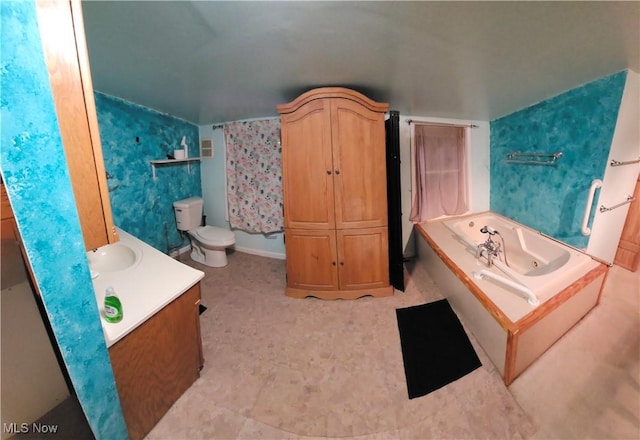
(530, 259)
(497, 306)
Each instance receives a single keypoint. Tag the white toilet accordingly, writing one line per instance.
(208, 243)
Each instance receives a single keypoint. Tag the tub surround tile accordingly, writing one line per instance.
(580, 123)
(133, 135)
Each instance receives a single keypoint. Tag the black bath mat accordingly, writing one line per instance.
(201, 308)
(435, 349)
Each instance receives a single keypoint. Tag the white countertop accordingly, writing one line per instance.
(144, 288)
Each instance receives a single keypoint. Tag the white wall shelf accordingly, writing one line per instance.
(157, 162)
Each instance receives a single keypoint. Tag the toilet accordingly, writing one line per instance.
(208, 243)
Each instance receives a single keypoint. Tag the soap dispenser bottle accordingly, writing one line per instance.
(112, 306)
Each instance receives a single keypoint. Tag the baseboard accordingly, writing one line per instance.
(260, 253)
(276, 255)
(180, 251)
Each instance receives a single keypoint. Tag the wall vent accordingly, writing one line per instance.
(206, 148)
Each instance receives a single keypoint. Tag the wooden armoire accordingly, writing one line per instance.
(335, 195)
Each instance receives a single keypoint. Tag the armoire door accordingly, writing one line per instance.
(308, 174)
(359, 160)
(311, 259)
(362, 258)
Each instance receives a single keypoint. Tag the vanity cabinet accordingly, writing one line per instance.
(63, 40)
(335, 195)
(157, 362)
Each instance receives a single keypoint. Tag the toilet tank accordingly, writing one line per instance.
(188, 213)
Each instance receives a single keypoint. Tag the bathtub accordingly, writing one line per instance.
(529, 259)
(532, 293)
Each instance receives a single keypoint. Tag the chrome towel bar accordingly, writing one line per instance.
(617, 163)
(629, 200)
(533, 158)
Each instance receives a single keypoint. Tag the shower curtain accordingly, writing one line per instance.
(254, 175)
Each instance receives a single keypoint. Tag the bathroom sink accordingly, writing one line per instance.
(113, 257)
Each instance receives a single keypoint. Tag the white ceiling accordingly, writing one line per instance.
(209, 62)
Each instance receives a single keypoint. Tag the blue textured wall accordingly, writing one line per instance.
(143, 206)
(552, 199)
(37, 181)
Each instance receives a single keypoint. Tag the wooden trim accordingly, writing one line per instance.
(511, 357)
(541, 336)
(5, 206)
(498, 315)
(199, 332)
(532, 317)
(339, 294)
(604, 281)
(628, 253)
(536, 316)
(66, 58)
(557, 300)
(333, 92)
(516, 329)
(92, 116)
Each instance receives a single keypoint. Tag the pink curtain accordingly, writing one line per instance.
(440, 186)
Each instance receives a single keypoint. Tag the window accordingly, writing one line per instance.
(440, 186)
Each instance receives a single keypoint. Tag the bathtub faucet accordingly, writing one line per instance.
(489, 230)
(489, 248)
(494, 250)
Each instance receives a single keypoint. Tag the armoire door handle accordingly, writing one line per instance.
(337, 171)
(329, 172)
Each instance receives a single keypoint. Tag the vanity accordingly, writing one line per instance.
(156, 350)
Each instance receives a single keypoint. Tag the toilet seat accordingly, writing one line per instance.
(215, 236)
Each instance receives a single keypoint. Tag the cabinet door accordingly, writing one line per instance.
(157, 362)
(311, 259)
(307, 167)
(363, 260)
(63, 42)
(359, 160)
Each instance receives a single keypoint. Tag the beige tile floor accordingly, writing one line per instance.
(282, 368)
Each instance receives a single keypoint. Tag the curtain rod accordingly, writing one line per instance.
(441, 124)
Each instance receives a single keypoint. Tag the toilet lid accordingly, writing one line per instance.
(213, 234)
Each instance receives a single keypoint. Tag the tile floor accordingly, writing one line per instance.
(278, 368)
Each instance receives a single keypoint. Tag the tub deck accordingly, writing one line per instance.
(512, 332)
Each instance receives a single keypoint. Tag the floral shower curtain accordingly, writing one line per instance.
(254, 175)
